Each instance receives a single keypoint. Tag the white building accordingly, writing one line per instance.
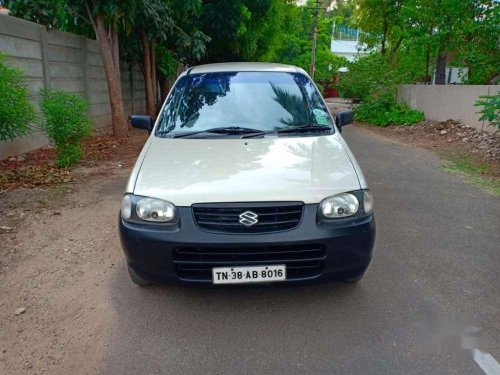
(345, 43)
(350, 49)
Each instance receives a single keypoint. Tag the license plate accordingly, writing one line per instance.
(252, 274)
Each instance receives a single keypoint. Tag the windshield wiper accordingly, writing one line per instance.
(299, 129)
(222, 129)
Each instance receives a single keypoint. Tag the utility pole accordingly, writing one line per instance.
(312, 67)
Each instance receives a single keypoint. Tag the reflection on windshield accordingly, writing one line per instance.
(295, 105)
(257, 100)
(191, 96)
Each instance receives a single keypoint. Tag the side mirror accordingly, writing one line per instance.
(142, 122)
(344, 118)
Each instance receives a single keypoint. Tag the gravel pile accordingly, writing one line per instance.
(485, 144)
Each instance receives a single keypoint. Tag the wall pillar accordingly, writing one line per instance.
(84, 69)
(45, 58)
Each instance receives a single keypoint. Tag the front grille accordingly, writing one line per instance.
(196, 263)
(225, 217)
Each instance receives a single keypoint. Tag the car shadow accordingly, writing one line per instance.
(266, 329)
(240, 300)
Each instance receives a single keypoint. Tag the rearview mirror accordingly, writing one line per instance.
(344, 118)
(142, 122)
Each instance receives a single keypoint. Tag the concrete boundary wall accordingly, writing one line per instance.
(64, 61)
(443, 102)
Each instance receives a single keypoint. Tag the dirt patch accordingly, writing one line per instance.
(38, 169)
(58, 248)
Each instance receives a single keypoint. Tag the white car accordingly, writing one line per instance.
(246, 178)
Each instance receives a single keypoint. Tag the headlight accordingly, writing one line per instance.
(340, 205)
(139, 209)
(155, 210)
(126, 209)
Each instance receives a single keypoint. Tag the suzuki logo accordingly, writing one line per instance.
(248, 218)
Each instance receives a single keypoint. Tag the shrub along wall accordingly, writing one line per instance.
(59, 60)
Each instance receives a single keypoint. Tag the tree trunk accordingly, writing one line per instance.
(154, 82)
(148, 84)
(397, 45)
(180, 68)
(427, 76)
(384, 37)
(164, 89)
(108, 46)
(441, 68)
(468, 61)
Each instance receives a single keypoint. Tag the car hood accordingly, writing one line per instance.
(188, 171)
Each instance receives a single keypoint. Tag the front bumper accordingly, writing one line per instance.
(313, 251)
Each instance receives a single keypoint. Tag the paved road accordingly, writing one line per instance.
(436, 269)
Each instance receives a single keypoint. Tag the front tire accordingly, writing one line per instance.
(136, 279)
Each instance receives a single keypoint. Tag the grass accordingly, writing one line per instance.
(476, 173)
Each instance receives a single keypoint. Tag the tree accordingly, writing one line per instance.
(165, 28)
(167, 67)
(344, 12)
(105, 17)
(438, 18)
(478, 36)
(463, 32)
(44, 12)
(241, 30)
(149, 19)
(382, 23)
(51, 13)
(294, 44)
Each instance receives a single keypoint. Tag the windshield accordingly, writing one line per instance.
(262, 101)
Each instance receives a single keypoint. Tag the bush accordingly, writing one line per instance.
(16, 112)
(66, 124)
(384, 112)
(491, 110)
(368, 75)
(376, 75)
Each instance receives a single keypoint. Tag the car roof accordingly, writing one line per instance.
(243, 67)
